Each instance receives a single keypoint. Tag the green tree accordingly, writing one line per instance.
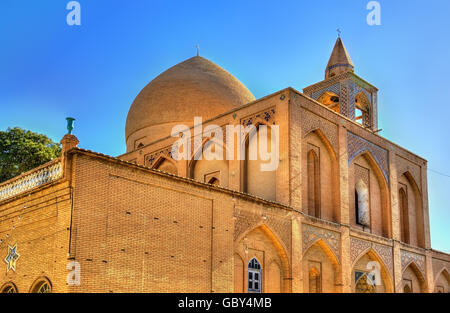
(22, 150)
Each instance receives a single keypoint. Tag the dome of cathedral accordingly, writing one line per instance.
(195, 87)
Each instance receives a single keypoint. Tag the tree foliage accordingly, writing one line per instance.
(22, 150)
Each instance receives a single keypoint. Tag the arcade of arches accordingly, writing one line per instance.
(345, 210)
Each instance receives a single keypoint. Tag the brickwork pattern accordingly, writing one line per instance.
(360, 246)
(39, 223)
(357, 145)
(311, 121)
(335, 88)
(408, 257)
(312, 234)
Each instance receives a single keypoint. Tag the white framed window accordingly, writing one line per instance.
(254, 276)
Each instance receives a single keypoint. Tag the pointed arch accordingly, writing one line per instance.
(415, 209)
(321, 197)
(326, 249)
(165, 164)
(324, 139)
(384, 196)
(206, 143)
(418, 274)
(330, 100)
(413, 181)
(215, 171)
(253, 179)
(367, 153)
(446, 275)
(275, 239)
(256, 123)
(372, 255)
(362, 109)
(319, 256)
(262, 239)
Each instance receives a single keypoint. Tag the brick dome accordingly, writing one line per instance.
(195, 87)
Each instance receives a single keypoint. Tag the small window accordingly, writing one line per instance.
(42, 286)
(212, 178)
(214, 181)
(254, 276)
(315, 280)
(407, 286)
(9, 288)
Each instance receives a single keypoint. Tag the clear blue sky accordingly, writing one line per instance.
(49, 70)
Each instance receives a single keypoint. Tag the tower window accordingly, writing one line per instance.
(362, 106)
(330, 100)
(254, 276)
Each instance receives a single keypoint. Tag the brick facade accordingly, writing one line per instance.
(143, 222)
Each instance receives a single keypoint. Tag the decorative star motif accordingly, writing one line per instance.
(11, 258)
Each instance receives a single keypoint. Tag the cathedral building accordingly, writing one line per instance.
(346, 210)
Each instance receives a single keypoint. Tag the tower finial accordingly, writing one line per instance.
(198, 50)
(70, 121)
(339, 32)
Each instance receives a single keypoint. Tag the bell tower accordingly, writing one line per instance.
(345, 92)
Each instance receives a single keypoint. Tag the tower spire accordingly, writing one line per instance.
(340, 61)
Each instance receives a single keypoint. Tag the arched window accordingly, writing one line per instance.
(362, 105)
(362, 207)
(42, 286)
(313, 185)
(9, 288)
(254, 276)
(407, 286)
(404, 215)
(407, 289)
(330, 100)
(315, 281)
